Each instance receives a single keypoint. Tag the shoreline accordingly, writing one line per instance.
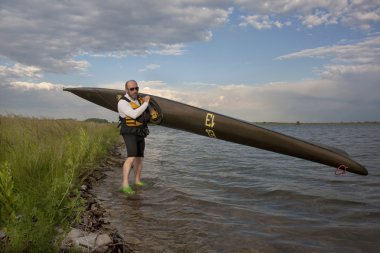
(94, 220)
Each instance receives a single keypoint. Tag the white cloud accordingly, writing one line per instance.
(347, 59)
(261, 22)
(152, 83)
(336, 70)
(366, 51)
(118, 85)
(24, 78)
(315, 100)
(165, 92)
(322, 99)
(348, 84)
(202, 84)
(174, 49)
(145, 86)
(232, 87)
(26, 86)
(20, 71)
(319, 18)
(290, 6)
(311, 13)
(51, 34)
(346, 89)
(52, 103)
(149, 67)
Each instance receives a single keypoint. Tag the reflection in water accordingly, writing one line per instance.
(207, 195)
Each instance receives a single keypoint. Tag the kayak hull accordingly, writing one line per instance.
(203, 122)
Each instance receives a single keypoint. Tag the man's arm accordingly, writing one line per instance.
(125, 108)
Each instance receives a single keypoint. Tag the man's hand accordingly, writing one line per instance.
(146, 99)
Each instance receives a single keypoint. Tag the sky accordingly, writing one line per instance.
(276, 60)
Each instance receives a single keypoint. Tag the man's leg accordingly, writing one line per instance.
(138, 168)
(139, 160)
(127, 170)
(131, 145)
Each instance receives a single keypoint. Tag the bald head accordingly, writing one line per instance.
(129, 83)
(131, 88)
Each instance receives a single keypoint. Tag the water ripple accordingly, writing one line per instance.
(207, 195)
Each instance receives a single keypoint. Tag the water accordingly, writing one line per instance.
(207, 195)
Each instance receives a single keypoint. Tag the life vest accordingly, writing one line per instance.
(139, 121)
(138, 126)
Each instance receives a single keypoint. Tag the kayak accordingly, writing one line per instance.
(195, 120)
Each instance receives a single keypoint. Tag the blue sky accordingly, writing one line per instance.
(283, 60)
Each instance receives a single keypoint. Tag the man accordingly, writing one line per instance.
(133, 116)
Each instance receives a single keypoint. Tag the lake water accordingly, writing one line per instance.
(208, 195)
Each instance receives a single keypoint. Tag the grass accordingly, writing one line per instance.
(42, 163)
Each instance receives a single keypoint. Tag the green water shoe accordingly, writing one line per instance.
(128, 190)
(141, 184)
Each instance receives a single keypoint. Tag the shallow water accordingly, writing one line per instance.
(207, 195)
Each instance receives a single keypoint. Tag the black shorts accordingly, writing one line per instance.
(135, 145)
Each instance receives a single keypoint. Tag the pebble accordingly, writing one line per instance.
(75, 233)
(87, 241)
(2, 235)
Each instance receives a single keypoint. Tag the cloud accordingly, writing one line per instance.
(174, 49)
(51, 35)
(347, 86)
(358, 58)
(49, 103)
(23, 78)
(366, 51)
(319, 18)
(20, 71)
(149, 67)
(262, 22)
(346, 89)
(312, 100)
(26, 86)
(311, 13)
(152, 83)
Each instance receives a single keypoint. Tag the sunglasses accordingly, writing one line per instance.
(134, 88)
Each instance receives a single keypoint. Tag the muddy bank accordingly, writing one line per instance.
(93, 232)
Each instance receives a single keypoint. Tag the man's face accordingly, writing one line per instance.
(132, 89)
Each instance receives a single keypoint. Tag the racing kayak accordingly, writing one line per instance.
(195, 120)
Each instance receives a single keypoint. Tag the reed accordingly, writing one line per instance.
(42, 163)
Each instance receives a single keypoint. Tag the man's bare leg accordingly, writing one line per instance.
(138, 169)
(127, 170)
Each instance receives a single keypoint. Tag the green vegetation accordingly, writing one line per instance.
(42, 163)
(96, 120)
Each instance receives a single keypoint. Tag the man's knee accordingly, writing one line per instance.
(130, 160)
(138, 160)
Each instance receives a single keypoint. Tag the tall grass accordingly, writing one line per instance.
(42, 163)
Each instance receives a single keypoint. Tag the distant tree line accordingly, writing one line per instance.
(96, 120)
